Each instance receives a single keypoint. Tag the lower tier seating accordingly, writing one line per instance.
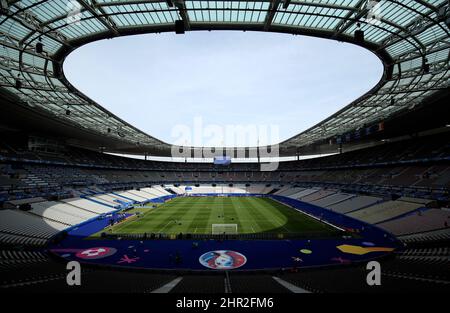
(25, 224)
(355, 203)
(384, 211)
(417, 222)
(413, 270)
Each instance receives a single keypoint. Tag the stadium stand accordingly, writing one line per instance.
(354, 203)
(61, 212)
(407, 200)
(397, 275)
(106, 199)
(384, 211)
(386, 171)
(410, 271)
(331, 199)
(200, 284)
(418, 222)
(255, 284)
(24, 228)
(304, 193)
(12, 258)
(439, 235)
(322, 193)
(85, 204)
(11, 240)
(50, 276)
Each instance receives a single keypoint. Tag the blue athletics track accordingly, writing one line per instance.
(370, 243)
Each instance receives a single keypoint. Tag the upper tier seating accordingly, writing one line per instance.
(431, 186)
(421, 148)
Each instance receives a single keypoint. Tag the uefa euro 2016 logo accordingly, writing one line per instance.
(222, 259)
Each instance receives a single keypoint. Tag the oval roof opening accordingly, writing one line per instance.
(223, 88)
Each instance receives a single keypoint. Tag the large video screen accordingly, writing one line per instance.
(222, 160)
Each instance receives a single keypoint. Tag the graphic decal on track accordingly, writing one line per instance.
(96, 253)
(341, 260)
(222, 259)
(128, 260)
(358, 250)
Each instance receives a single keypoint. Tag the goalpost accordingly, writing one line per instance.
(220, 229)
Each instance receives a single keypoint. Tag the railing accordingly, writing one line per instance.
(258, 236)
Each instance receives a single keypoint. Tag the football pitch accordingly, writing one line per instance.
(196, 215)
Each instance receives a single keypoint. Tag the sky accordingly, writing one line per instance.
(222, 88)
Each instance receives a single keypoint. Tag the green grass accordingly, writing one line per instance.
(197, 214)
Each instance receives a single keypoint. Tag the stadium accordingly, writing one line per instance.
(356, 203)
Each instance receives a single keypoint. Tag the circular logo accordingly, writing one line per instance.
(305, 251)
(96, 253)
(222, 259)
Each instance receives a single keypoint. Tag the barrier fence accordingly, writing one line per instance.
(256, 236)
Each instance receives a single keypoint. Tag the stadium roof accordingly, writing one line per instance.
(411, 38)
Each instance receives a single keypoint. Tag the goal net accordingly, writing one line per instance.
(220, 229)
